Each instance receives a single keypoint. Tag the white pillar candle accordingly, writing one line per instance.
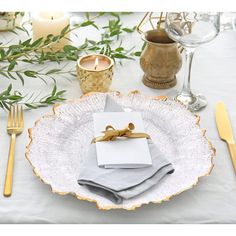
(46, 23)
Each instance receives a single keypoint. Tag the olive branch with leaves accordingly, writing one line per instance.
(32, 52)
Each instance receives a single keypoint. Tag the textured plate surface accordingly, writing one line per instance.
(59, 142)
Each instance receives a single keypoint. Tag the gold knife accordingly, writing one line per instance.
(225, 130)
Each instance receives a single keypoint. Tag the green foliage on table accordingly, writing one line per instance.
(9, 97)
(32, 52)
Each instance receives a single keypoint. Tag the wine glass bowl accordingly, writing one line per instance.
(191, 29)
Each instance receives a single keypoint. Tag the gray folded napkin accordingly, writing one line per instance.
(119, 184)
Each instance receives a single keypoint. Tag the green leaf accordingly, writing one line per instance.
(31, 106)
(68, 48)
(92, 42)
(106, 41)
(128, 30)
(11, 76)
(4, 74)
(60, 92)
(52, 71)
(56, 38)
(37, 42)
(6, 106)
(21, 78)
(115, 32)
(30, 73)
(72, 58)
(95, 26)
(94, 48)
(27, 61)
(144, 45)
(2, 54)
(15, 97)
(120, 49)
(54, 90)
(19, 28)
(119, 55)
(83, 46)
(87, 23)
(9, 88)
(6, 92)
(64, 31)
(12, 65)
(49, 37)
(26, 42)
(137, 54)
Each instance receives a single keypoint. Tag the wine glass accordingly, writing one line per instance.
(191, 29)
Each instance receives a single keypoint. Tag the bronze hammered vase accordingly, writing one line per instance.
(160, 60)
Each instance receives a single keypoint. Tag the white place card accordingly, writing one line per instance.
(123, 152)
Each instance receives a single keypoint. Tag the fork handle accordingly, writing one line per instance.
(10, 166)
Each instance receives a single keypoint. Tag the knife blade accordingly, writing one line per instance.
(225, 130)
(223, 123)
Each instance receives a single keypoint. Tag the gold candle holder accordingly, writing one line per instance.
(95, 73)
(9, 20)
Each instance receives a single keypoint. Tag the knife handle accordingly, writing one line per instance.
(232, 150)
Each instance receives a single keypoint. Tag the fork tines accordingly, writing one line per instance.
(15, 117)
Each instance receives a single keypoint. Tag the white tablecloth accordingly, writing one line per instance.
(213, 200)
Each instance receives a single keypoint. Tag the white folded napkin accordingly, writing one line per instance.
(119, 184)
(123, 152)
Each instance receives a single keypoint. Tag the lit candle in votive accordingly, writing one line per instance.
(46, 23)
(95, 63)
(95, 73)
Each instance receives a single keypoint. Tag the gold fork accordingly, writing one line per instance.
(15, 125)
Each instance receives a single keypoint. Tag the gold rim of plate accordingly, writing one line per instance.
(163, 98)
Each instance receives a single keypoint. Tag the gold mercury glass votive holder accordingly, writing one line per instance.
(9, 20)
(95, 73)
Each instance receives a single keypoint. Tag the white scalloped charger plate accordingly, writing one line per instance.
(59, 142)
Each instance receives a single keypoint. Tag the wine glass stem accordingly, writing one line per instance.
(186, 90)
